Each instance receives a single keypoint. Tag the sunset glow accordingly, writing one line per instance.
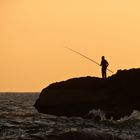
(34, 34)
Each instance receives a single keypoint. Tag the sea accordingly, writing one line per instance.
(19, 120)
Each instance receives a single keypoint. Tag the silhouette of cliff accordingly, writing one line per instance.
(117, 95)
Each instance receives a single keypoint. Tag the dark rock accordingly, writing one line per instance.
(117, 95)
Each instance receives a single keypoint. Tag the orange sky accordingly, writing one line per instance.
(33, 34)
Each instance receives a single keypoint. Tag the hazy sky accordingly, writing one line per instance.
(34, 33)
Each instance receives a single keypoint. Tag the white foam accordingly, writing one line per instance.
(134, 116)
(97, 113)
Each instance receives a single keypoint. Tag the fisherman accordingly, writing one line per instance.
(104, 64)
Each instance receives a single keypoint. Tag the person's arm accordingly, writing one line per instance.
(107, 64)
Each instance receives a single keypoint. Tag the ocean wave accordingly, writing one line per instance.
(91, 134)
(134, 116)
(97, 114)
(16, 114)
(20, 121)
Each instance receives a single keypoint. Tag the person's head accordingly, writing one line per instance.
(103, 57)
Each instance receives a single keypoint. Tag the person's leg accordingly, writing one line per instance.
(102, 73)
(105, 76)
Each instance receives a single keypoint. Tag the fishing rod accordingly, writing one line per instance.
(87, 58)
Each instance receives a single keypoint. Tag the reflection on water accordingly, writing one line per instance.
(20, 121)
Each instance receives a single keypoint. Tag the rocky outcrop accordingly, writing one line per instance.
(117, 95)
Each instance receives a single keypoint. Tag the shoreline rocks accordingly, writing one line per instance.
(117, 95)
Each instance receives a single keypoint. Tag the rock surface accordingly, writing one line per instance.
(117, 95)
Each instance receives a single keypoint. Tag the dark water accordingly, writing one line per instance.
(20, 121)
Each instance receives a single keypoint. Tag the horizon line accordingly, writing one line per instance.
(19, 91)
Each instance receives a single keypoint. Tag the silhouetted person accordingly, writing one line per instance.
(104, 64)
